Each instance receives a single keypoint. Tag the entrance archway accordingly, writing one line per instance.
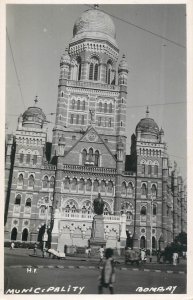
(24, 235)
(14, 234)
(142, 242)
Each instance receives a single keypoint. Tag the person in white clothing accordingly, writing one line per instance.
(175, 258)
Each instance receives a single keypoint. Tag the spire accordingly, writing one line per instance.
(36, 100)
(147, 112)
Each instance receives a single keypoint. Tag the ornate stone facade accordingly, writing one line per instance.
(53, 186)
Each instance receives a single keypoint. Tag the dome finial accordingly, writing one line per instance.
(147, 112)
(36, 100)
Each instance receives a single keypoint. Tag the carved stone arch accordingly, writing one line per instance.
(143, 162)
(149, 162)
(107, 208)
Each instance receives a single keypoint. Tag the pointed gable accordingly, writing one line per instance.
(90, 149)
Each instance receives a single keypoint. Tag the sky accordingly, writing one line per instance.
(37, 36)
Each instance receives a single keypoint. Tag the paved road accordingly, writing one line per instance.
(69, 274)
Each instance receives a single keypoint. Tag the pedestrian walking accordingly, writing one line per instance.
(107, 277)
(12, 245)
(143, 257)
(175, 258)
(101, 253)
(35, 249)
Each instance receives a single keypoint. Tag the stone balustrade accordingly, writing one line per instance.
(93, 85)
(90, 169)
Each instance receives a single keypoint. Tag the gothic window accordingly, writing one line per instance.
(143, 213)
(142, 242)
(99, 121)
(89, 185)
(66, 183)
(129, 215)
(96, 186)
(67, 209)
(73, 104)
(20, 180)
(105, 211)
(124, 189)
(82, 120)
(90, 155)
(84, 155)
(110, 122)
(110, 187)
(149, 169)
(105, 108)
(24, 235)
(144, 190)
(143, 169)
(18, 200)
(77, 119)
(156, 170)
(100, 106)
(31, 181)
(108, 72)
(97, 158)
(45, 182)
(79, 68)
(73, 209)
(84, 210)
(52, 182)
(83, 105)
(28, 202)
(34, 159)
(154, 210)
(81, 185)
(103, 186)
(42, 210)
(21, 158)
(153, 242)
(154, 190)
(71, 119)
(78, 105)
(74, 184)
(28, 157)
(14, 234)
(130, 190)
(94, 69)
(110, 108)
(121, 123)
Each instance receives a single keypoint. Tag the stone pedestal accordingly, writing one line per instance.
(97, 234)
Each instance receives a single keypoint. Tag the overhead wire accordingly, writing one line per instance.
(15, 69)
(142, 28)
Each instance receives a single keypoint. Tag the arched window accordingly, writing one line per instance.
(105, 211)
(90, 155)
(24, 235)
(83, 105)
(103, 186)
(110, 187)
(45, 182)
(20, 180)
(42, 210)
(52, 182)
(79, 68)
(123, 189)
(94, 69)
(144, 190)
(149, 169)
(110, 108)
(100, 106)
(74, 184)
(14, 234)
(97, 158)
(34, 159)
(73, 104)
(73, 209)
(109, 72)
(28, 202)
(105, 108)
(78, 105)
(77, 119)
(130, 190)
(143, 169)
(110, 122)
(82, 120)
(142, 242)
(143, 211)
(71, 119)
(156, 170)
(89, 185)
(66, 183)
(129, 215)
(31, 181)
(21, 158)
(99, 121)
(28, 158)
(96, 186)
(154, 190)
(84, 155)
(154, 210)
(81, 185)
(154, 242)
(18, 200)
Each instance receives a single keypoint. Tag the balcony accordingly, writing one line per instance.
(92, 85)
(90, 169)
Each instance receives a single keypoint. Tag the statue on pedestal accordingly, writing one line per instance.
(98, 204)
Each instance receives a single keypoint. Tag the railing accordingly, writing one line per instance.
(90, 169)
(48, 167)
(112, 218)
(93, 85)
(129, 173)
(69, 215)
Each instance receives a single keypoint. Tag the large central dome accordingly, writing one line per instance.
(94, 23)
